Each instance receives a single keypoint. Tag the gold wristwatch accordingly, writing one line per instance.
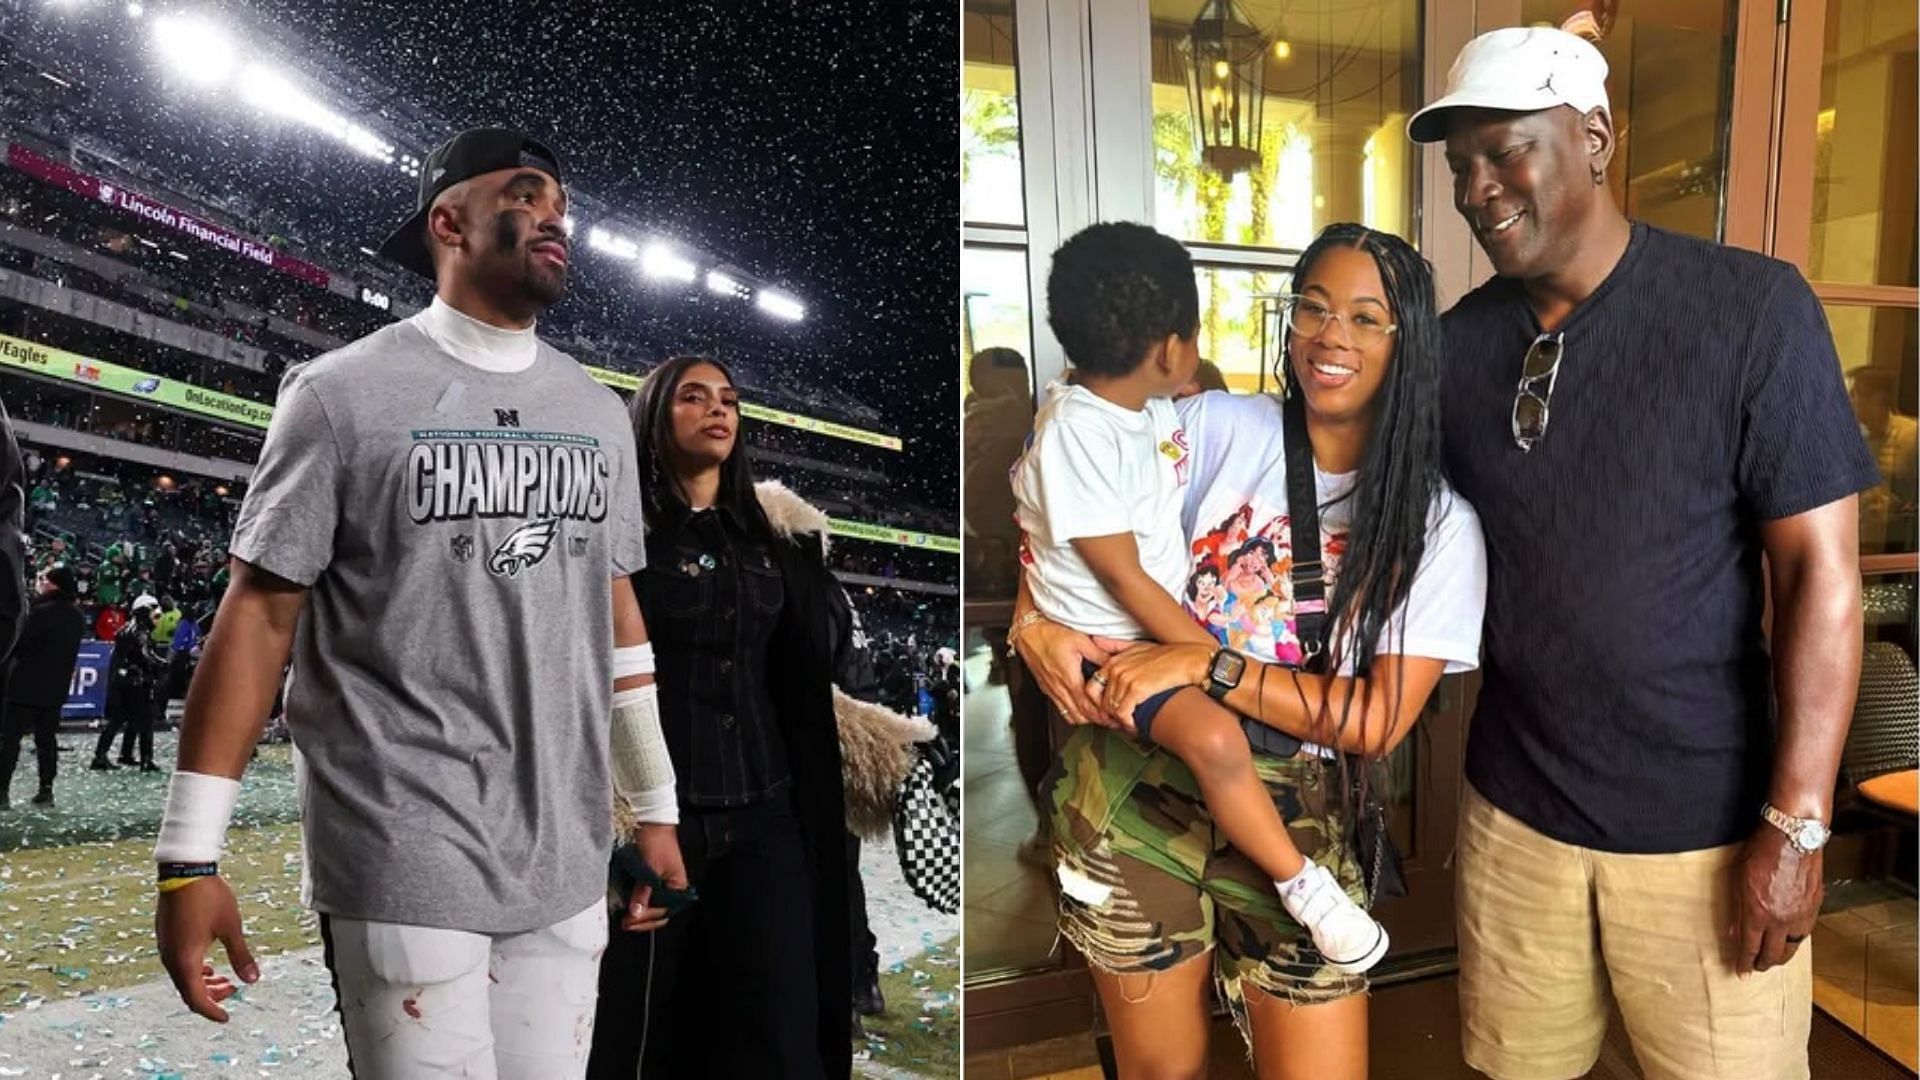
(1807, 835)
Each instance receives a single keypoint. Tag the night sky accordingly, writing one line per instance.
(811, 144)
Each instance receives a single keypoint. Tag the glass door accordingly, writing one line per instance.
(1844, 212)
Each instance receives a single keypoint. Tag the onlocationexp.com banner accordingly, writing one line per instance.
(130, 382)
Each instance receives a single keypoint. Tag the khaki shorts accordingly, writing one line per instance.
(1548, 930)
(1147, 881)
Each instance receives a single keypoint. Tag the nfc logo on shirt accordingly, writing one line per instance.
(506, 418)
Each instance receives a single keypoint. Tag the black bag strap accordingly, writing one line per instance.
(1303, 513)
(1309, 576)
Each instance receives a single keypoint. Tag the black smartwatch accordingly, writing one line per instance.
(1224, 673)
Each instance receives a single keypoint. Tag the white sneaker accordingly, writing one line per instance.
(1348, 938)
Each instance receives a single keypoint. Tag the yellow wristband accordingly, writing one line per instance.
(173, 884)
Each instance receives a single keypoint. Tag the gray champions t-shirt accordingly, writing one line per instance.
(459, 530)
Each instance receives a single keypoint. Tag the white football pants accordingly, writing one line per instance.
(419, 1002)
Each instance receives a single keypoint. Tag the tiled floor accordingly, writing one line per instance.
(1008, 903)
(1864, 951)
(1415, 1036)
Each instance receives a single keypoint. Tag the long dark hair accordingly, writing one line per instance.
(662, 495)
(1400, 471)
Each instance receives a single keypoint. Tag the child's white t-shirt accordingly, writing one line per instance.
(1093, 468)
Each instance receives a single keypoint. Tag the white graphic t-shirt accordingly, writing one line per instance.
(1093, 468)
(1240, 547)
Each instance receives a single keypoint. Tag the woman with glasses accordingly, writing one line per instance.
(1326, 656)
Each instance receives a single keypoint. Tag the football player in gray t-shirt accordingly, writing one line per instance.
(439, 534)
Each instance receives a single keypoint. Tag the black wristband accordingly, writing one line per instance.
(173, 871)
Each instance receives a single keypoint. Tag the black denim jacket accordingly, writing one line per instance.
(712, 594)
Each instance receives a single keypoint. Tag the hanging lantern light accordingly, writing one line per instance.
(1226, 62)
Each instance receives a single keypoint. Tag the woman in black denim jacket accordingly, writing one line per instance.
(750, 633)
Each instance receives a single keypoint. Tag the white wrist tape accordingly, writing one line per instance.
(642, 772)
(194, 827)
(633, 660)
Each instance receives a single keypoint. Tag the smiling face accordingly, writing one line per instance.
(1340, 374)
(1525, 184)
(705, 418)
(1207, 590)
(508, 228)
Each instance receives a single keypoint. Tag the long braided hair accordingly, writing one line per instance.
(1399, 475)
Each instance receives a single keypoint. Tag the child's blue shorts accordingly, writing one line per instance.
(1144, 713)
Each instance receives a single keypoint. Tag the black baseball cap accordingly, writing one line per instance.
(471, 153)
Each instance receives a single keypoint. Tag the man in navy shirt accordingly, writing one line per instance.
(1639, 417)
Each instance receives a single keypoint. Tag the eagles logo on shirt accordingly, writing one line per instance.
(524, 547)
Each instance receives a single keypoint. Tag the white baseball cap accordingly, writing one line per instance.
(1518, 69)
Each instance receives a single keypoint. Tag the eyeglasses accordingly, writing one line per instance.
(1530, 399)
(1310, 318)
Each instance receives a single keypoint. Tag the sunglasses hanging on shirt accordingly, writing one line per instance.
(1534, 394)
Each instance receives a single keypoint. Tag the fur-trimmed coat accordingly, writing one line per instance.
(875, 742)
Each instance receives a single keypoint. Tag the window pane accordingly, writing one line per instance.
(1877, 350)
(998, 385)
(989, 118)
(1863, 179)
(1332, 117)
(1668, 69)
(1231, 312)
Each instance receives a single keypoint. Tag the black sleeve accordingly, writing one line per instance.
(13, 541)
(36, 634)
(1801, 445)
(852, 661)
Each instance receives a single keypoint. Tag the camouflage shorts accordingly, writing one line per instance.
(1147, 881)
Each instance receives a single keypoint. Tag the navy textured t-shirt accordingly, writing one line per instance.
(1627, 701)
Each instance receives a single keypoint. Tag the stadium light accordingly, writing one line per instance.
(780, 305)
(196, 48)
(661, 261)
(619, 247)
(271, 92)
(725, 284)
(135, 11)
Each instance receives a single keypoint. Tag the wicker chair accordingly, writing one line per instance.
(1883, 746)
